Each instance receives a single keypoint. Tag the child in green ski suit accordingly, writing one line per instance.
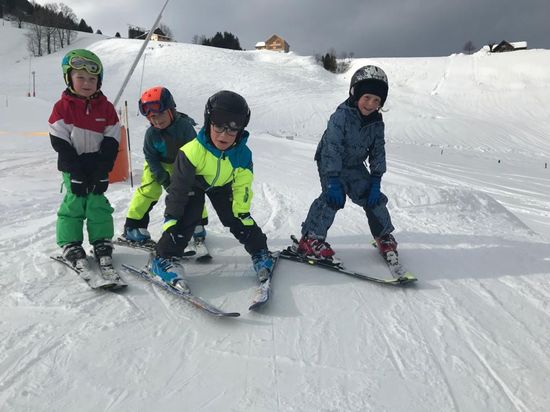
(85, 132)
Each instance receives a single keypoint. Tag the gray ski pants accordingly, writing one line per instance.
(356, 182)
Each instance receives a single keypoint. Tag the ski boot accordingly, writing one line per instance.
(387, 246)
(314, 248)
(74, 254)
(138, 235)
(170, 271)
(263, 264)
(103, 253)
(199, 235)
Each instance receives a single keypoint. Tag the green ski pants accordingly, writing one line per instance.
(95, 209)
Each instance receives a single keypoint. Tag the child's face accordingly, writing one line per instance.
(222, 137)
(84, 83)
(160, 120)
(368, 103)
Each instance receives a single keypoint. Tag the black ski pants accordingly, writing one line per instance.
(173, 242)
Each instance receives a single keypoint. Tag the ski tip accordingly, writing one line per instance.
(256, 305)
(407, 278)
(228, 315)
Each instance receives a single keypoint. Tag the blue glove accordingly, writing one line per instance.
(336, 197)
(374, 193)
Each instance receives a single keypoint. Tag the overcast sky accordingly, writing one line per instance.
(368, 28)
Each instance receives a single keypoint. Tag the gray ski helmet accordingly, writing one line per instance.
(369, 79)
(226, 108)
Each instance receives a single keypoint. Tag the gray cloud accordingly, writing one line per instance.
(368, 28)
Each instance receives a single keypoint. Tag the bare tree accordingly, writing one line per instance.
(469, 47)
(35, 39)
(53, 26)
(166, 30)
(198, 39)
(67, 32)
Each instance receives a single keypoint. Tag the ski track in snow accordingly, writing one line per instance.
(472, 334)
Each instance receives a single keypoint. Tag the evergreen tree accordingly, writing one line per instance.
(226, 40)
(82, 26)
(329, 62)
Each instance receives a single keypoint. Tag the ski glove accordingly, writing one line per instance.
(164, 180)
(374, 193)
(99, 183)
(171, 242)
(79, 186)
(166, 183)
(336, 198)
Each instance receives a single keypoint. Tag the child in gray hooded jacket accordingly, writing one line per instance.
(355, 134)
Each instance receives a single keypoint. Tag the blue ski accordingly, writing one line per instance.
(189, 297)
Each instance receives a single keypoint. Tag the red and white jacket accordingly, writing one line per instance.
(85, 132)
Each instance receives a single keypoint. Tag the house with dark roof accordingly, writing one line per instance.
(505, 46)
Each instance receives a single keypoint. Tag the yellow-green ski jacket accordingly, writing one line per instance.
(200, 166)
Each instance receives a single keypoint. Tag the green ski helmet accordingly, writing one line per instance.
(82, 59)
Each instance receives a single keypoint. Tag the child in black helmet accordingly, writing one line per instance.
(355, 133)
(217, 164)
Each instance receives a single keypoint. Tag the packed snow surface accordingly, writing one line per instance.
(468, 142)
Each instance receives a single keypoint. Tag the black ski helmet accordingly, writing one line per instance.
(226, 108)
(369, 79)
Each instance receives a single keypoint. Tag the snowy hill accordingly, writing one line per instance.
(467, 143)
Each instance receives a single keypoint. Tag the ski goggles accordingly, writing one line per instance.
(152, 107)
(231, 131)
(79, 63)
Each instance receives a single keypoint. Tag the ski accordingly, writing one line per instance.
(92, 277)
(263, 291)
(189, 297)
(196, 249)
(290, 254)
(148, 246)
(109, 273)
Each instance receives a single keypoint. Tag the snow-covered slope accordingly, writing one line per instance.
(469, 196)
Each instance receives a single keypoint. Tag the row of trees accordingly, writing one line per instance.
(225, 40)
(51, 26)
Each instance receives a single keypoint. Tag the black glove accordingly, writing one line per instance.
(171, 242)
(166, 183)
(99, 183)
(79, 185)
(164, 180)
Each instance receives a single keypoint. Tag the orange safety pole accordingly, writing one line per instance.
(120, 169)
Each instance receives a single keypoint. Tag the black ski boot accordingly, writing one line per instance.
(74, 254)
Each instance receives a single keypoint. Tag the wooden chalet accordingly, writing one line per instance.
(505, 46)
(274, 43)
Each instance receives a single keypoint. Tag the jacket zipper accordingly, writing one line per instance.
(218, 168)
